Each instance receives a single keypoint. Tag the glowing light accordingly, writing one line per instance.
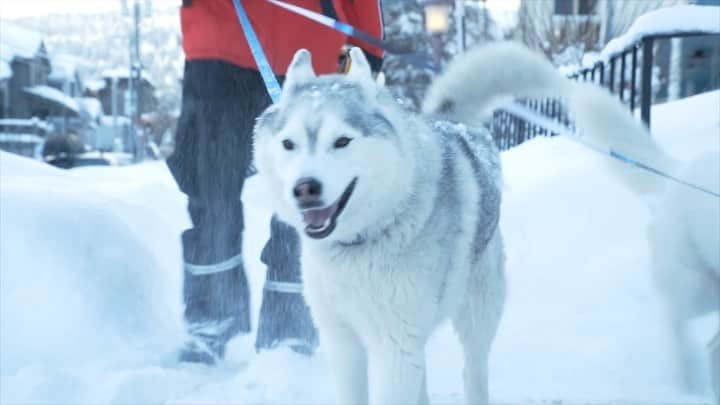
(437, 18)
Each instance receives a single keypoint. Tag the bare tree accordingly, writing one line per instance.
(566, 30)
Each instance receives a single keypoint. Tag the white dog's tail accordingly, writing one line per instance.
(474, 83)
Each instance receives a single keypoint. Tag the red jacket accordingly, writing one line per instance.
(211, 30)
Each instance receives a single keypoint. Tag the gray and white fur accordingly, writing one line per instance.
(399, 215)
(684, 234)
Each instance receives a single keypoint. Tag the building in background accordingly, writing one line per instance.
(41, 94)
(114, 92)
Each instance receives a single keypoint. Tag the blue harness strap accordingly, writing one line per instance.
(271, 82)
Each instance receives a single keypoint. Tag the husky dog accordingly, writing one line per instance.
(684, 233)
(399, 217)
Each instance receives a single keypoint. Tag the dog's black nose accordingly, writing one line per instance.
(307, 190)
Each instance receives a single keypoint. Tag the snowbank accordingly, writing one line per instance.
(90, 266)
(669, 20)
(683, 135)
(88, 281)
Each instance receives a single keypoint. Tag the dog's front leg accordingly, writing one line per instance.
(348, 364)
(396, 372)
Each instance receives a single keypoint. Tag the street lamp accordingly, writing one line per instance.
(135, 72)
(437, 22)
(437, 16)
(437, 19)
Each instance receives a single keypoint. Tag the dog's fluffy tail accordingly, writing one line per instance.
(474, 83)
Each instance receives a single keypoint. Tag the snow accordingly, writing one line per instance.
(54, 95)
(21, 122)
(669, 20)
(20, 138)
(687, 138)
(109, 120)
(90, 287)
(94, 85)
(92, 106)
(5, 70)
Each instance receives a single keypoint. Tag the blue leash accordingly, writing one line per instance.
(532, 116)
(637, 164)
(271, 83)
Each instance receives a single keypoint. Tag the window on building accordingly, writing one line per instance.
(564, 7)
(586, 7)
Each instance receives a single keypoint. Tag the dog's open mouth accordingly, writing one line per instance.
(321, 222)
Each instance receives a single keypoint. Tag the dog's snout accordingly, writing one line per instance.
(308, 190)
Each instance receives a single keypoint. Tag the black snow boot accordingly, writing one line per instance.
(284, 316)
(217, 304)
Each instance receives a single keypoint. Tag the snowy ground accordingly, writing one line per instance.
(90, 288)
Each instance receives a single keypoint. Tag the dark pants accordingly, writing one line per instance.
(211, 157)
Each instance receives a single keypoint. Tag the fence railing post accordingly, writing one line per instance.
(510, 130)
(646, 80)
(633, 79)
(621, 91)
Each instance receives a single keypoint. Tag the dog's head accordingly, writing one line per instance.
(326, 150)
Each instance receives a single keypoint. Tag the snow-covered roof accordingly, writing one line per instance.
(5, 70)
(18, 42)
(123, 73)
(669, 20)
(54, 95)
(94, 85)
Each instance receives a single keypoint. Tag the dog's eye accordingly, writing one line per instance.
(288, 144)
(342, 142)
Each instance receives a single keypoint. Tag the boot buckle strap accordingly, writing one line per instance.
(225, 265)
(284, 287)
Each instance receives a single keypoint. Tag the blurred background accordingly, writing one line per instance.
(101, 80)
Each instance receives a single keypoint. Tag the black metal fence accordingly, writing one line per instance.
(509, 130)
(619, 74)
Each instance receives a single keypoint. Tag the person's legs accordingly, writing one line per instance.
(213, 148)
(284, 316)
(212, 155)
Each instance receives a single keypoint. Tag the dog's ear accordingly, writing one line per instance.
(360, 69)
(300, 70)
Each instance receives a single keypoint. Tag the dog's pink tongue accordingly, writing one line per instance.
(317, 218)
